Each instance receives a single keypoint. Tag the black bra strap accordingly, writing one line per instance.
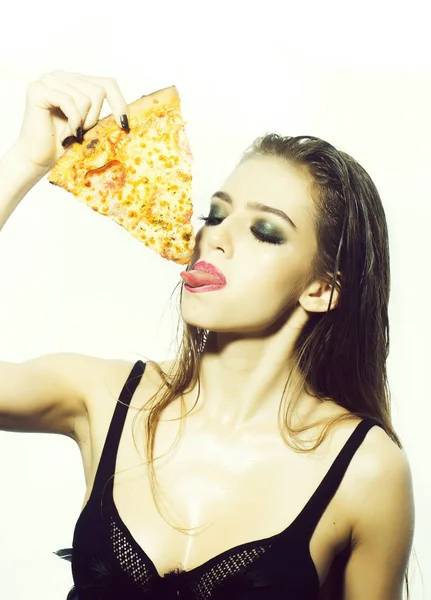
(313, 510)
(106, 467)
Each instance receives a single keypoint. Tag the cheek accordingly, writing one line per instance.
(265, 292)
(272, 272)
(281, 287)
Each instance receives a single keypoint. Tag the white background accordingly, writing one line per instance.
(355, 74)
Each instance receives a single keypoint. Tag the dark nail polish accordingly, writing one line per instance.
(124, 123)
(80, 135)
(71, 139)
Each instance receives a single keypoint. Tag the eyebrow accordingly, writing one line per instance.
(257, 206)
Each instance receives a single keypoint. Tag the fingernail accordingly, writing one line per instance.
(124, 123)
(80, 135)
(71, 139)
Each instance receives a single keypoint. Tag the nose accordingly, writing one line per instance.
(216, 237)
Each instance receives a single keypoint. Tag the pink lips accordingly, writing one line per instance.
(204, 275)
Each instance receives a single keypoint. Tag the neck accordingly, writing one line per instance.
(243, 377)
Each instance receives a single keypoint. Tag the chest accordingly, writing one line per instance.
(214, 493)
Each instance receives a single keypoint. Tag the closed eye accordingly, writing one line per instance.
(211, 221)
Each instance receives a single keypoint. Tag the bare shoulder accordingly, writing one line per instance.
(380, 484)
(379, 455)
(109, 379)
(112, 376)
(105, 380)
(378, 504)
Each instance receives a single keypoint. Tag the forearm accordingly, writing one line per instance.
(17, 177)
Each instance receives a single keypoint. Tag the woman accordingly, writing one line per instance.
(278, 471)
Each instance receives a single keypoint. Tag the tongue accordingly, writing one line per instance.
(199, 278)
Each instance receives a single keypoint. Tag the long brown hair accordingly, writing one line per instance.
(341, 354)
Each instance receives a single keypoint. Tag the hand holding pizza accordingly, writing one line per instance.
(133, 166)
(60, 107)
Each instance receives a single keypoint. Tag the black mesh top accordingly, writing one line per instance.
(108, 564)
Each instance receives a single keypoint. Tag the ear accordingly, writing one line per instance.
(316, 297)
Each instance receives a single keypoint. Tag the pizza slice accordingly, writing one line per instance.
(140, 179)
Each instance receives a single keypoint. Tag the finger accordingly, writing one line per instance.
(95, 93)
(46, 98)
(114, 97)
(82, 100)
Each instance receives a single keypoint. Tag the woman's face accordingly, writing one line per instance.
(264, 257)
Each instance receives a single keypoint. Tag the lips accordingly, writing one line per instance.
(203, 273)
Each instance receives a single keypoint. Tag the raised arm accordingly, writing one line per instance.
(49, 394)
